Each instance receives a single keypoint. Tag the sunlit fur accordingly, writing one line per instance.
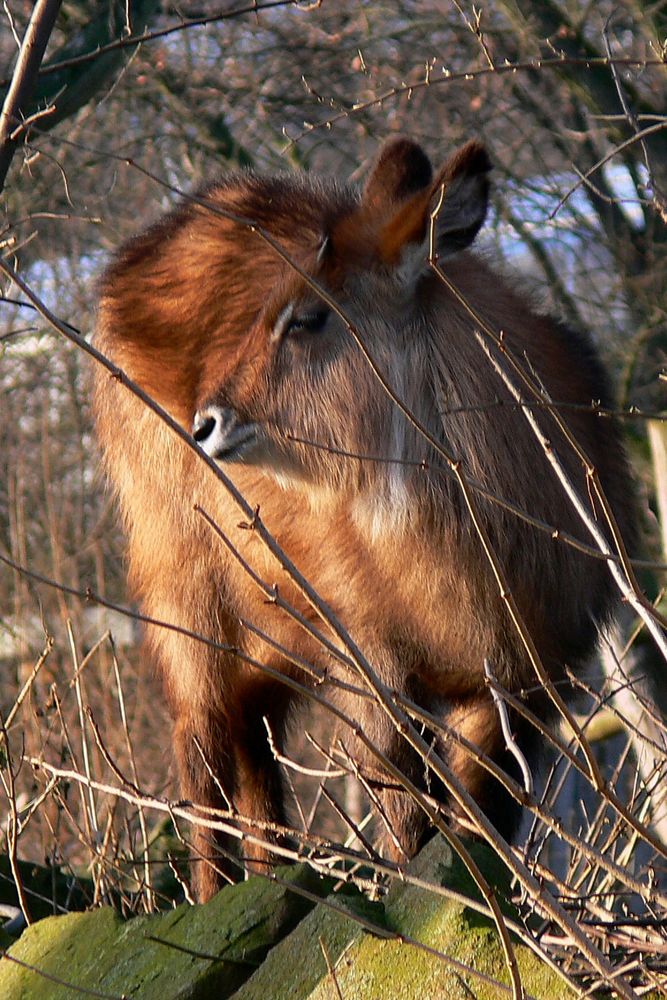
(192, 310)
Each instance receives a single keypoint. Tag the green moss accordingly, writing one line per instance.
(370, 966)
(295, 967)
(189, 952)
(262, 940)
(376, 968)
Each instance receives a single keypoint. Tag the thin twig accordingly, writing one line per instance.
(150, 897)
(132, 41)
(506, 727)
(83, 990)
(13, 827)
(554, 64)
(330, 968)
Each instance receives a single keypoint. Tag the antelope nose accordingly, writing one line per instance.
(203, 425)
(222, 434)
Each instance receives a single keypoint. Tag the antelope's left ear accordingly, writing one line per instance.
(461, 198)
(450, 212)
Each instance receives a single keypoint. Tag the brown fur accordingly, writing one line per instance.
(191, 309)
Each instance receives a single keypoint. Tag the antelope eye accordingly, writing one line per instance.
(309, 322)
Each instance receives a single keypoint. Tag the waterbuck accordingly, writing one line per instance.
(340, 353)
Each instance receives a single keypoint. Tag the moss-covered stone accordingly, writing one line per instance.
(192, 952)
(331, 943)
(295, 967)
(263, 940)
(408, 906)
(469, 963)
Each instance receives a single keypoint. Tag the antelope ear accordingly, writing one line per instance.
(457, 203)
(460, 198)
(396, 197)
(401, 169)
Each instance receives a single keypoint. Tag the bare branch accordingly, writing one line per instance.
(18, 96)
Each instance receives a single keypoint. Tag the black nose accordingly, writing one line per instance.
(202, 427)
